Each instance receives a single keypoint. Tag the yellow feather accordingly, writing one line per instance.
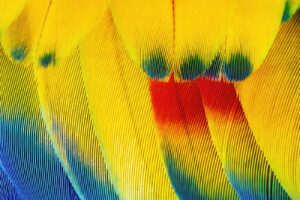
(146, 28)
(69, 123)
(253, 28)
(121, 109)
(20, 40)
(66, 25)
(200, 30)
(9, 10)
(271, 101)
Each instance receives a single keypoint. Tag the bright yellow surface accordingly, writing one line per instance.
(26, 30)
(119, 99)
(253, 27)
(146, 27)
(200, 28)
(271, 101)
(171, 29)
(65, 106)
(67, 24)
(180, 29)
(9, 10)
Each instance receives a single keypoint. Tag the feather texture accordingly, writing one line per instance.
(66, 24)
(9, 12)
(121, 110)
(21, 39)
(243, 161)
(270, 99)
(111, 99)
(186, 143)
(66, 113)
(27, 156)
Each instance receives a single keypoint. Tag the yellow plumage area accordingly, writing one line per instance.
(9, 11)
(119, 104)
(68, 121)
(9, 100)
(66, 24)
(146, 28)
(191, 37)
(28, 149)
(21, 38)
(149, 99)
(200, 34)
(253, 28)
(217, 39)
(21, 99)
(270, 99)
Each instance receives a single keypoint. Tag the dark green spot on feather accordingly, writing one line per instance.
(237, 68)
(192, 68)
(286, 13)
(47, 59)
(156, 66)
(18, 53)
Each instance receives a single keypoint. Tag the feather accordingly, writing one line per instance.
(9, 11)
(65, 26)
(200, 32)
(270, 99)
(26, 154)
(121, 110)
(68, 122)
(146, 28)
(193, 165)
(134, 99)
(21, 38)
(184, 38)
(244, 163)
(7, 189)
(251, 33)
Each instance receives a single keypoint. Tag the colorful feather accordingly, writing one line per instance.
(66, 113)
(26, 155)
(146, 28)
(121, 109)
(271, 102)
(244, 163)
(9, 12)
(66, 24)
(111, 99)
(239, 33)
(186, 143)
(21, 39)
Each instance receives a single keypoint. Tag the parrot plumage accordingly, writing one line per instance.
(149, 99)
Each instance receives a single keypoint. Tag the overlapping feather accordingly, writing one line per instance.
(82, 119)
